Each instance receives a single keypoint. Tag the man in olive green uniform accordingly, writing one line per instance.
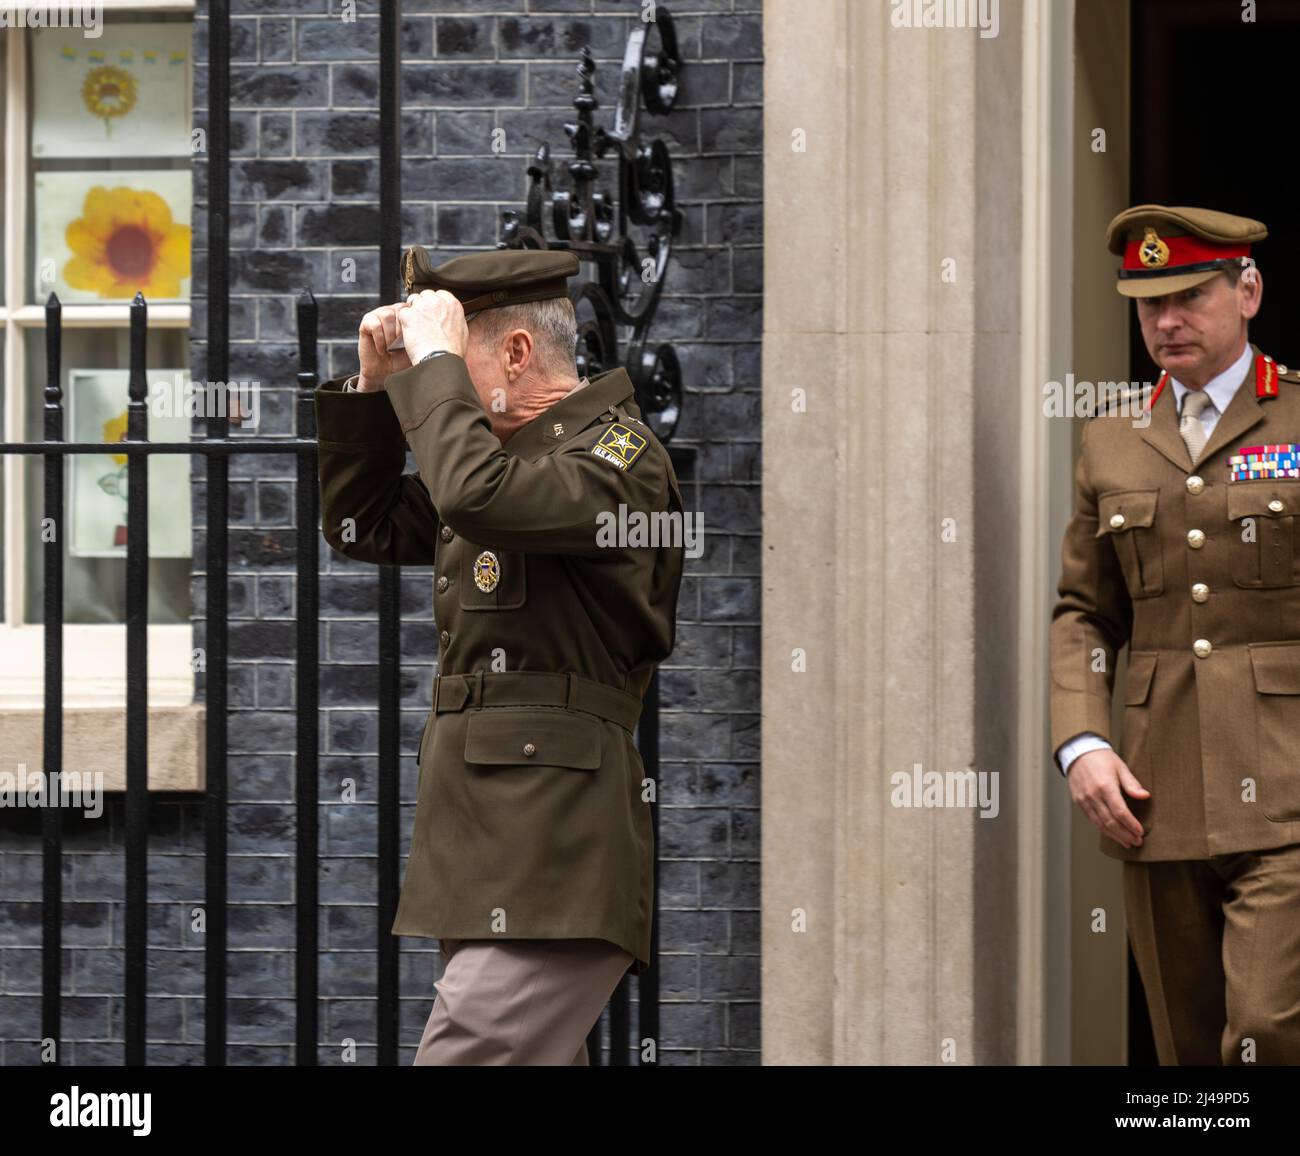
(1184, 544)
(532, 853)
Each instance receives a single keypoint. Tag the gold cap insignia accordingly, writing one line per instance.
(487, 571)
(1153, 253)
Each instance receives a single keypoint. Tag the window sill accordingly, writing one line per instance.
(94, 704)
(94, 740)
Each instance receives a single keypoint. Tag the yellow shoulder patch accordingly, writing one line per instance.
(619, 445)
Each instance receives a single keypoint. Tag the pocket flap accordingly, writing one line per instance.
(1141, 667)
(1277, 667)
(1255, 499)
(557, 737)
(1125, 510)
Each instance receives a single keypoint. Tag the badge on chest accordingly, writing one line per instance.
(487, 571)
(491, 578)
(1272, 461)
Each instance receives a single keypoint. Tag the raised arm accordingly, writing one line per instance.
(370, 509)
(557, 504)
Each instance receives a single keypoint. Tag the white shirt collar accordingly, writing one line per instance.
(1223, 388)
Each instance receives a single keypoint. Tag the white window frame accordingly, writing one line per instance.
(94, 666)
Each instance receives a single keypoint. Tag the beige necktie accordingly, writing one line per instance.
(1191, 429)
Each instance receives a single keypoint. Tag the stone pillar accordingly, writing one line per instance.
(892, 317)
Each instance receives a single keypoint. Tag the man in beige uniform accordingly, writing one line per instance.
(1184, 544)
(532, 854)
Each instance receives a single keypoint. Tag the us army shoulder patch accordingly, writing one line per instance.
(619, 445)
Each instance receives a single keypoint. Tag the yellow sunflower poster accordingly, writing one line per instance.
(124, 93)
(103, 236)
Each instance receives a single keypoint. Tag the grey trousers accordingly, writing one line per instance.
(520, 1001)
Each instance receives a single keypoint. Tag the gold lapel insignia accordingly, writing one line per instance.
(1154, 253)
(487, 571)
(559, 429)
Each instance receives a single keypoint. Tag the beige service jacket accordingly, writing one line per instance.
(1201, 577)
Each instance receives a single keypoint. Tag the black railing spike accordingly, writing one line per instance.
(52, 722)
(136, 922)
(53, 364)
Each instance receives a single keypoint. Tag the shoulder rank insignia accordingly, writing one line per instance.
(1265, 376)
(619, 445)
(1127, 401)
(1160, 385)
(1268, 373)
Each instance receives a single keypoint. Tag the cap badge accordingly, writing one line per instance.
(487, 571)
(1154, 253)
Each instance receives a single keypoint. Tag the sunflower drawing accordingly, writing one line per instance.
(115, 483)
(125, 240)
(115, 431)
(108, 92)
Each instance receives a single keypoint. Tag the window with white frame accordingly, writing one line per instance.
(96, 173)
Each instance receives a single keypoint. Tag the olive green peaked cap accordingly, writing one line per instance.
(493, 278)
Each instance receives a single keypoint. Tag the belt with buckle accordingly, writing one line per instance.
(452, 692)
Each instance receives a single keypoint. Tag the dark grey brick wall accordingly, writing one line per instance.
(305, 193)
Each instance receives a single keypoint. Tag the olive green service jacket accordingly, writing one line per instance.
(531, 821)
(1201, 576)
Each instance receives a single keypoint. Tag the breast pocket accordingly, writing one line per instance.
(1129, 518)
(492, 579)
(1276, 666)
(1263, 546)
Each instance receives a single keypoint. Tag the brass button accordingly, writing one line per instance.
(444, 638)
(446, 534)
(1276, 506)
(1116, 521)
(443, 584)
(1202, 647)
(1200, 592)
(1196, 539)
(529, 750)
(1195, 484)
